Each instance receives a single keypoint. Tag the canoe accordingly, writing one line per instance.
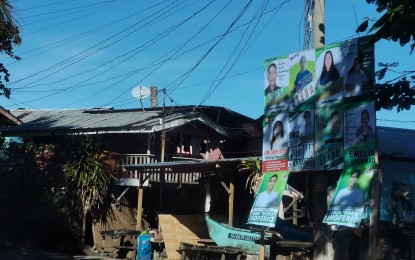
(226, 235)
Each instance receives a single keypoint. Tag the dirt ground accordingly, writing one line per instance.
(8, 254)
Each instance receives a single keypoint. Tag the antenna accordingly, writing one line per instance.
(140, 93)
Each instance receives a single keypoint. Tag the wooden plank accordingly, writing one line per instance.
(182, 228)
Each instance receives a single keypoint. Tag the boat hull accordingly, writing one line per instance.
(225, 235)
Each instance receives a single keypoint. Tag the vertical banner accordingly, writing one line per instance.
(301, 140)
(328, 73)
(275, 142)
(276, 85)
(302, 83)
(359, 133)
(264, 212)
(329, 138)
(348, 203)
(359, 67)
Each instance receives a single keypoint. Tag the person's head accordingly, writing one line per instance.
(356, 64)
(328, 61)
(365, 117)
(353, 178)
(272, 75)
(278, 129)
(303, 63)
(272, 181)
(334, 121)
(307, 116)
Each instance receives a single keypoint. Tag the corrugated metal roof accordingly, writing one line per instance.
(70, 121)
(396, 143)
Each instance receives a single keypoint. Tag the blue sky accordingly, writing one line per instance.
(84, 54)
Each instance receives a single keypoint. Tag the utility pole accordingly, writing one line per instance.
(319, 28)
(322, 243)
(163, 145)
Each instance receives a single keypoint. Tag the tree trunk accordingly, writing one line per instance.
(83, 228)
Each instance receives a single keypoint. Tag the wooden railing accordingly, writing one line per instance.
(126, 169)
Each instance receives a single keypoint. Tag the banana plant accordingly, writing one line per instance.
(251, 167)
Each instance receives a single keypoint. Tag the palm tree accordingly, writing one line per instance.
(88, 175)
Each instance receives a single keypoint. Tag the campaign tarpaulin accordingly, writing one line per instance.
(329, 138)
(276, 90)
(359, 133)
(275, 142)
(265, 209)
(349, 201)
(301, 140)
(329, 76)
(302, 80)
(358, 67)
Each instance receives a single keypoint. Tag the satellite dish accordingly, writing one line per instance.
(140, 92)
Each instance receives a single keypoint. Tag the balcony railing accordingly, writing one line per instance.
(129, 167)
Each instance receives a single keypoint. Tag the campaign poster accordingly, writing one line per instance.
(275, 142)
(358, 66)
(329, 138)
(359, 133)
(264, 211)
(347, 207)
(301, 140)
(302, 80)
(328, 75)
(276, 89)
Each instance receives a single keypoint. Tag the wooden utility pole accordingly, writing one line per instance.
(319, 29)
(163, 145)
(321, 239)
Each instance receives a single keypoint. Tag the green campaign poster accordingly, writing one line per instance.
(329, 76)
(265, 209)
(329, 138)
(301, 140)
(302, 80)
(359, 133)
(276, 91)
(359, 67)
(349, 201)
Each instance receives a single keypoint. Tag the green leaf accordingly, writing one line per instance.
(379, 23)
(362, 27)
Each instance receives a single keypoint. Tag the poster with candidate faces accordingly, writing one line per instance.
(276, 91)
(301, 140)
(329, 138)
(275, 142)
(330, 84)
(329, 77)
(267, 202)
(348, 205)
(358, 65)
(302, 80)
(359, 133)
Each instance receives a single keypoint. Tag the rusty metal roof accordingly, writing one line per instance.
(107, 120)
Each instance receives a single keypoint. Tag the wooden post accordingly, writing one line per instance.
(262, 245)
(231, 199)
(139, 208)
(374, 213)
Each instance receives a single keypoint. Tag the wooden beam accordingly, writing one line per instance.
(228, 190)
(231, 199)
(262, 245)
(139, 209)
(374, 213)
